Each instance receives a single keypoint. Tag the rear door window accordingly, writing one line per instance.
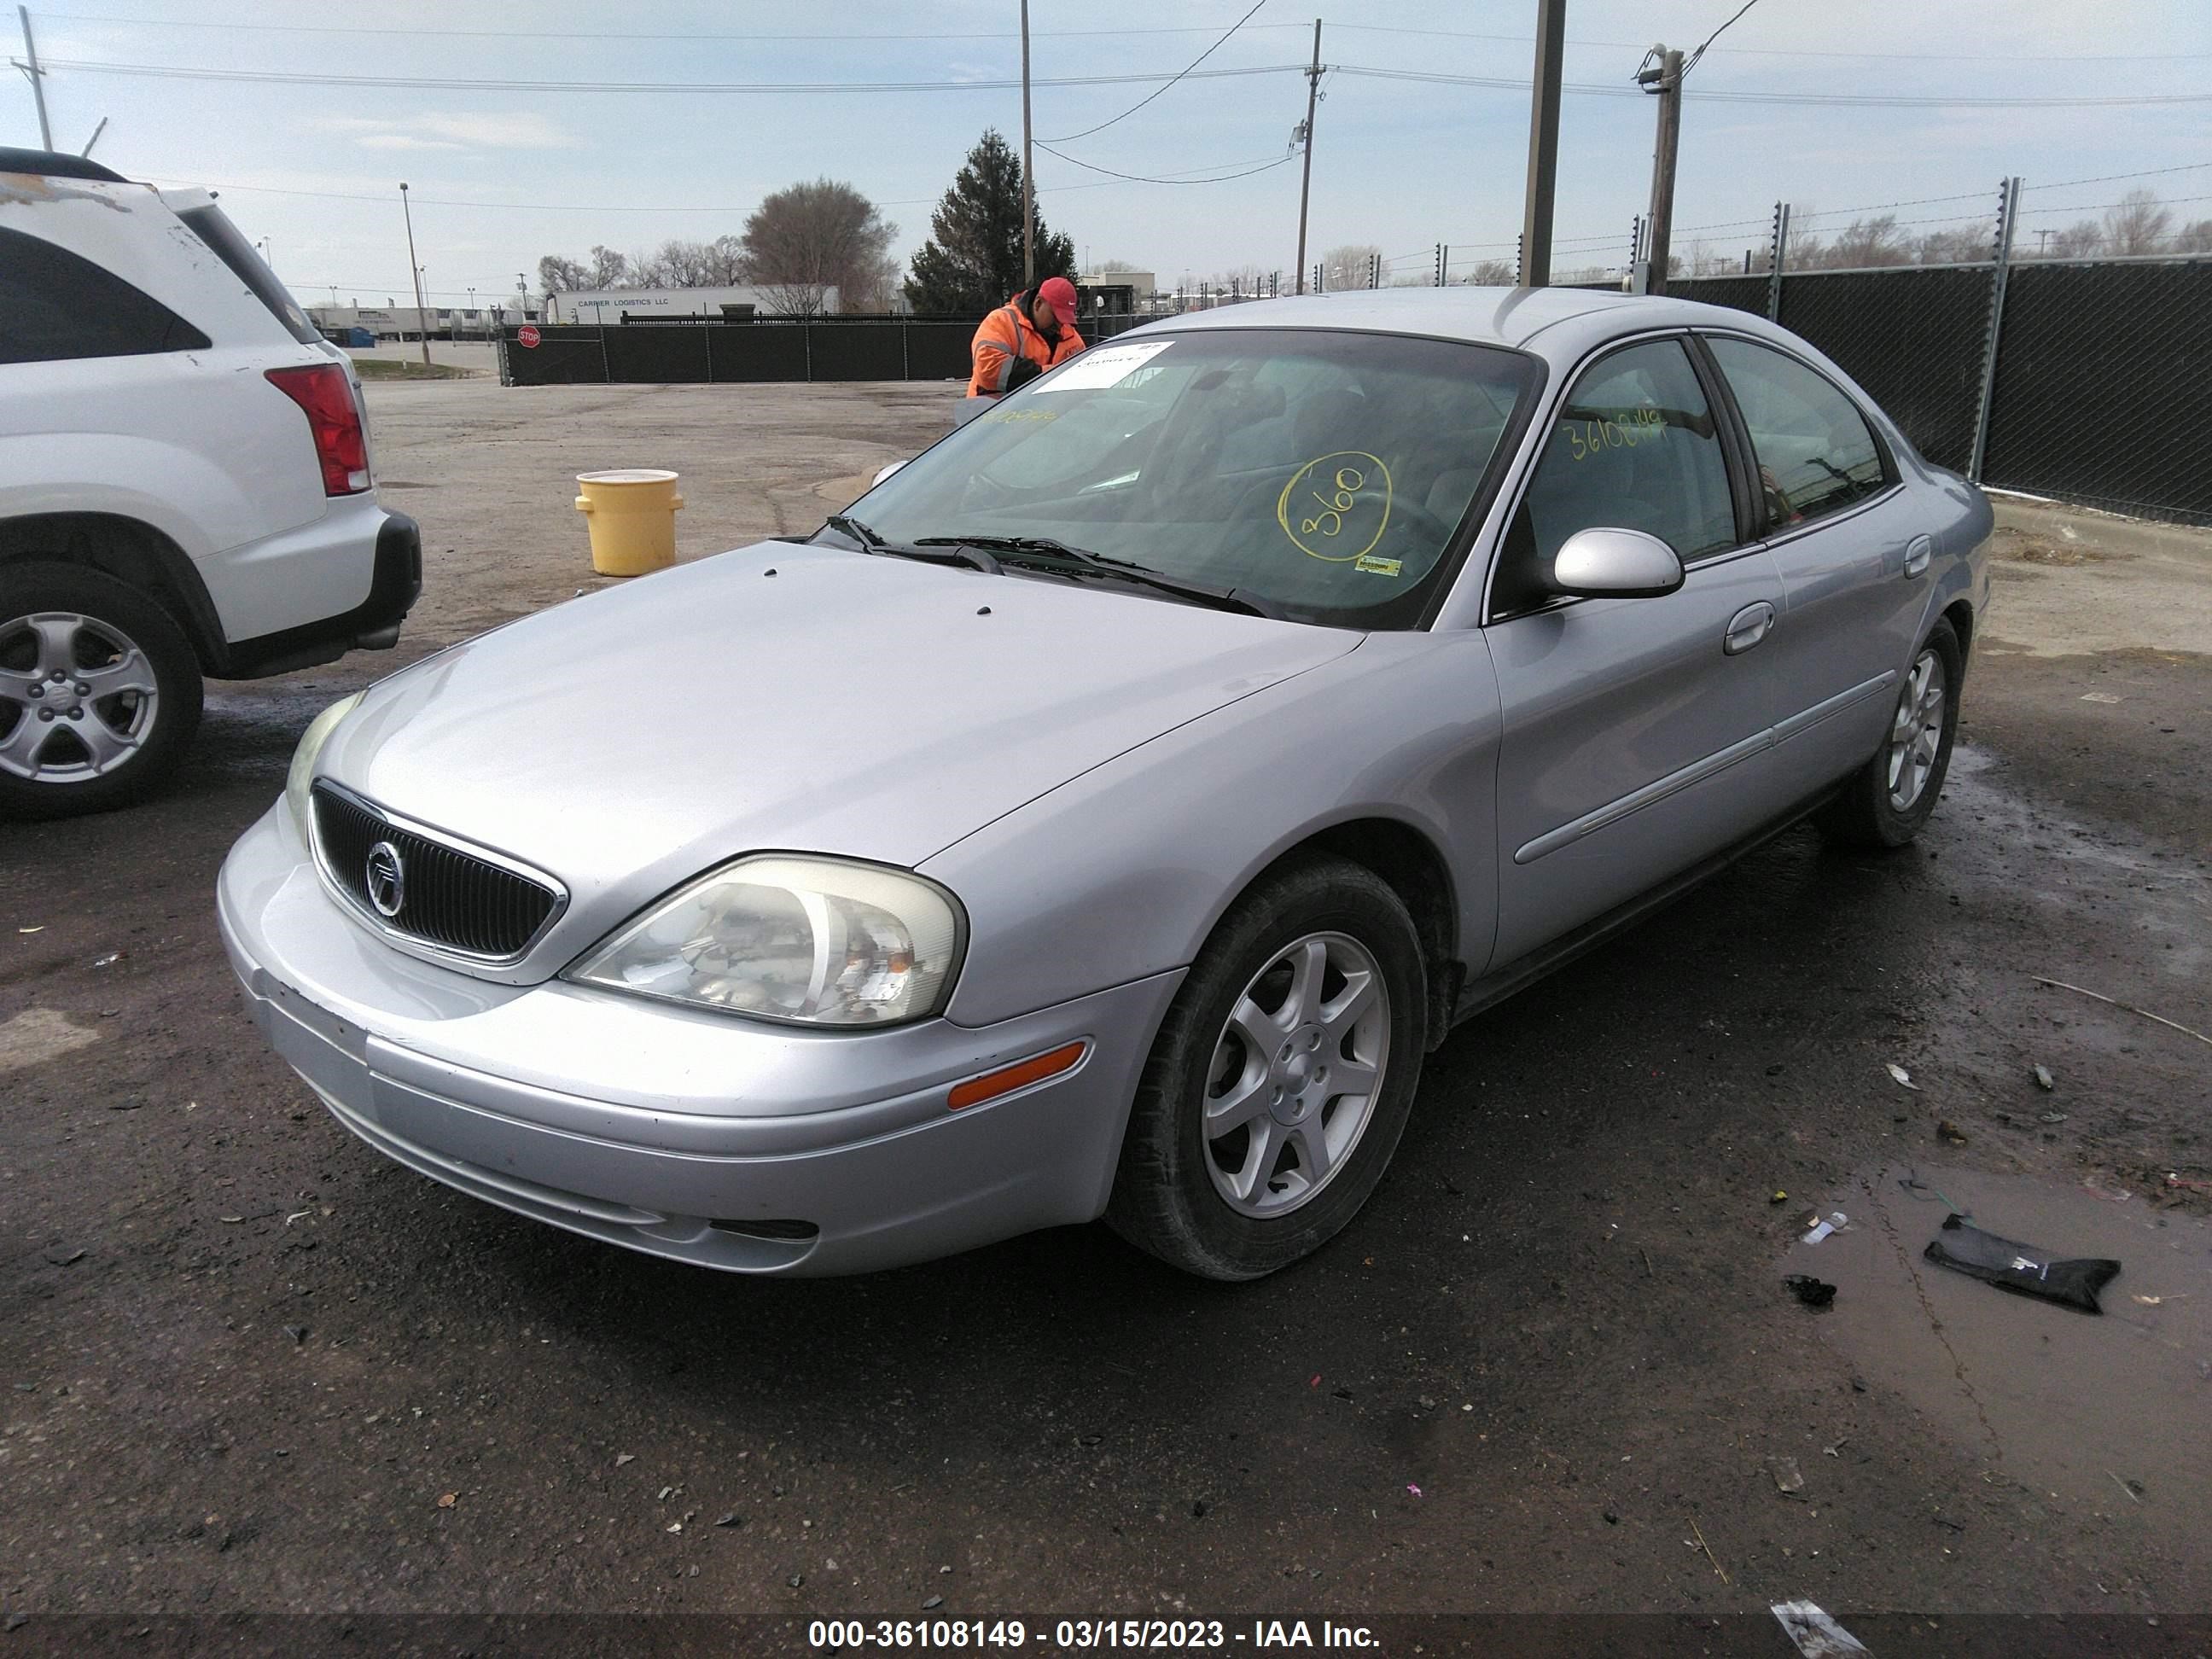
(212, 226)
(1816, 454)
(56, 306)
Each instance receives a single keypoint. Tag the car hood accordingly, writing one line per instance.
(790, 697)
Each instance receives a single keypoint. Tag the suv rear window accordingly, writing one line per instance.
(214, 227)
(56, 306)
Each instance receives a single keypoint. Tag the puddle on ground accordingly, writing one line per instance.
(2072, 1403)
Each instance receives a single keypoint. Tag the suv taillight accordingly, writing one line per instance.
(341, 445)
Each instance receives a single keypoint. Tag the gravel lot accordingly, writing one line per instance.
(252, 1367)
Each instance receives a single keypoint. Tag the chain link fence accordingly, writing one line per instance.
(2089, 355)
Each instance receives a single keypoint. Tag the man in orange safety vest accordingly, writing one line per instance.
(1024, 337)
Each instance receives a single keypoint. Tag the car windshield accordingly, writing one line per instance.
(1320, 472)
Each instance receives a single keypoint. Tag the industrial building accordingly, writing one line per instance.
(620, 305)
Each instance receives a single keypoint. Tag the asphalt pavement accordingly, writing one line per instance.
(251, 1366)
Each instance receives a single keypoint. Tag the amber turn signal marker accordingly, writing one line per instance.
(1037, 1067)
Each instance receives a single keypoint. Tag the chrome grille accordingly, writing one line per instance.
(453, 898)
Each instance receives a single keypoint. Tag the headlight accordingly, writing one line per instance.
(814, 941)
(303, 759)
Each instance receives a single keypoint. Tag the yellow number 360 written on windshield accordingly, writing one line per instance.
(1336, 506)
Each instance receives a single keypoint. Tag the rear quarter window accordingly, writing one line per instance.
(57, 306)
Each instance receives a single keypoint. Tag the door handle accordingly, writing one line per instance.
(1918, 552)
(1747, 627)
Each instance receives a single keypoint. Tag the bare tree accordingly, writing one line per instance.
(558, 276)
(805, 240)
(2083, 239)
(2137, 224)
(608, 269)
(2194, 238)
(1491, 273)
(1965, 245)
(1867, 242)
(1349, 266)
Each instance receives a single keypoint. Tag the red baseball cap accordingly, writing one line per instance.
(1059, 293)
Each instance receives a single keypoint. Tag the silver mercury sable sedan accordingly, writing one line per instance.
(1105, 814)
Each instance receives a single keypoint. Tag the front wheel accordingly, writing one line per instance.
(100, 693)
(1890, 797)
(1281, 1078)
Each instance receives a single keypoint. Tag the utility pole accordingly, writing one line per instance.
(86, 151)
(1662, 74)
(1028, 194)
(421, 321)
(1543, 143)
(29, 64)
(1305, 132)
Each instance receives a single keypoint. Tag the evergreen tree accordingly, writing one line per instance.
(973, 260)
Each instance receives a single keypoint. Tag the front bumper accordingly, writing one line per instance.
(707, 1139)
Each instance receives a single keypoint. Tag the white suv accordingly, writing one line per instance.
(185, 486)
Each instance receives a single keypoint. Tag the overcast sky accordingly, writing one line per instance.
(1400, 163)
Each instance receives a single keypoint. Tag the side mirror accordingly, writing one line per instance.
(886, 473)
(1615, 564)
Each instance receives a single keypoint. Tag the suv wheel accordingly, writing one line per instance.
(99, 692)
(1280, 1079)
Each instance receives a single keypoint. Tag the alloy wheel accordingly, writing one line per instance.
(1295, 1073)
(1915, 735)
(77, 697)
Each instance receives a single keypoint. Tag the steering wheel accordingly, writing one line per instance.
(1416, 517)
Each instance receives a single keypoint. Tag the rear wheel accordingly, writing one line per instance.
(100, 693)
(1281, 1078)
(1890, 797)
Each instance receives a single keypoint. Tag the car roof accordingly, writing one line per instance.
(1556, 323)
(53, 164)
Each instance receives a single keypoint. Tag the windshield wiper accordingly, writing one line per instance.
(973, 557)
(1061, 556)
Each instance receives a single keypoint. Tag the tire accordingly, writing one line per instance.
(99, 692)
(1175, 1192)
(1890, 796)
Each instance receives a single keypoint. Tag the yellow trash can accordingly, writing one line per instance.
(632, 513)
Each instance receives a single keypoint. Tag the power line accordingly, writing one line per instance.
(591, 207)
(1069, 138)
(1816, 100)
(1143, 178)
(756, 38)
(1691, 62)
(302, 78)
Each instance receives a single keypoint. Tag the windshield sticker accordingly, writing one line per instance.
(1375, 567)
(1103, 365)
(1330, 502)
(998, 416)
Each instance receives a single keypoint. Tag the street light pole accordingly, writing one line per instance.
(1305, 186)
(1543, 143)
(421, 322)
(1028, 192)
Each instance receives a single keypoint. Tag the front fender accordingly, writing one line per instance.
(1123, 871)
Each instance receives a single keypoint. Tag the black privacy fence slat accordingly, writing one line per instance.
(2090, 357)
(2094, 362)
(1912, 339)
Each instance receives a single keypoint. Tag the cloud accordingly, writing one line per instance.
(520, 130)
(403, 141)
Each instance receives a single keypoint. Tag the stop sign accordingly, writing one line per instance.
(529, 335)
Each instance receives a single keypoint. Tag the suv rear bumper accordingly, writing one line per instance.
(395, 583)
